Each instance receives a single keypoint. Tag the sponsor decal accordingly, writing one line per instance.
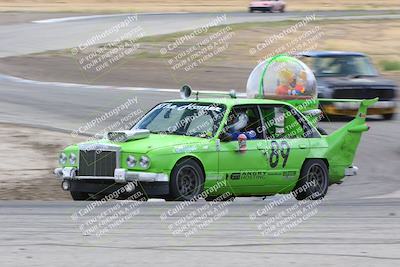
(274, 173)
(191, 106)
(185, 149)
(248, 175)
(289, 174)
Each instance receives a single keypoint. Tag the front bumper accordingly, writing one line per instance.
(120, 176)
(350, 109)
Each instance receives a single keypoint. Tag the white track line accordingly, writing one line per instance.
(74, 18)
(88, 86)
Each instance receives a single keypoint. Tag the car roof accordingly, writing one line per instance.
(230, 101)
(330, 53)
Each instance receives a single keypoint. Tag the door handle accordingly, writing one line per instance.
(302, 146)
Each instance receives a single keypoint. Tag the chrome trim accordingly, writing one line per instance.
(355, 105)
(58, 172)
(351, 171)
(69, 172)
(120, 176)
(101, 147)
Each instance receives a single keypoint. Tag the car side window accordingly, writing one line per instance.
(245, 120)
(283, 122)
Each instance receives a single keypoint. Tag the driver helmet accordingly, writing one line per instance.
(239, 122)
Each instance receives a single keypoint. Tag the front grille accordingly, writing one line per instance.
(365, 93)
(97, 163)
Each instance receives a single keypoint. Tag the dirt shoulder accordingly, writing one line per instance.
(185, 6)
(27, 174)
(239, 48)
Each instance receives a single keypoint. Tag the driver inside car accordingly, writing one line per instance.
(237, 125)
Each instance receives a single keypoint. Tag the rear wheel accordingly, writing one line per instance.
(313, 182)
(187, 180)
(79, 196)
(389, 116)
(282, 9)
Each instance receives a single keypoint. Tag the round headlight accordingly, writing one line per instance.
(62, 159)
(72, 158)
(144, 162)
(131, 161)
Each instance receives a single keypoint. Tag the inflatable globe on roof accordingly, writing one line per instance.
(282, 77)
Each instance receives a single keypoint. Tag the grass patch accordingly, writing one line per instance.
(387, 65)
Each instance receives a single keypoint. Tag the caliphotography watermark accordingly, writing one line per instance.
(270, 40)
(97, 219)
(279, 216)
(186, 219)
(99, 53)
(182, 56)
(85, 128)
(120, 123)
(307, 39)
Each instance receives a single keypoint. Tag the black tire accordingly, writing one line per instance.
(221, 198)
(282, 10)
(322, 131)
(80, 196)
(251, 10)
(313, 182)
(187, 181)
(388, 117)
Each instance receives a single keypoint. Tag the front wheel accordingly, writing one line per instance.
(313, 182)
(187, 180)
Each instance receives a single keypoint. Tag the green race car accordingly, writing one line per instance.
(244, 146)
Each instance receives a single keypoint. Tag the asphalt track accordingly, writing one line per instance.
(24, 38)
(356, 225)
(340, 233)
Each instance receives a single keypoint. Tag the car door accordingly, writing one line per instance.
(245, 170)
(287, 145)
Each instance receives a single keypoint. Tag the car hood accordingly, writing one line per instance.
(363, 81)
(152, 142)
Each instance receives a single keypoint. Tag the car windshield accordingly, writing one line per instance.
(343, 66)
(183, 118)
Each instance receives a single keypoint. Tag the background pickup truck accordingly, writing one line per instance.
(350, 75)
